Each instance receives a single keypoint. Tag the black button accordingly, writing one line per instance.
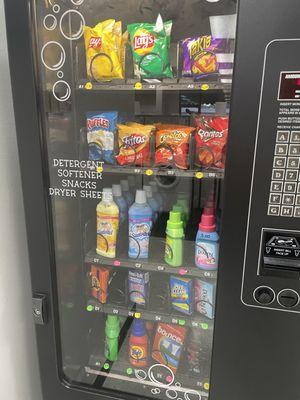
(288, 298)
(264, 295)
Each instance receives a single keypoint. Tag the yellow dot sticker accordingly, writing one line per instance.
(137, 315)
(138, 86)
(199, 175)
(100, 169)
(89, 86)
(206, 386)
(205, 86)
(149, 172)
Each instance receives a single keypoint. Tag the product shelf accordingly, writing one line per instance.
(120, 369)
(189, 270)
(184, 84)
(135, 311)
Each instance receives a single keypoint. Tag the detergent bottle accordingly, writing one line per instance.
(107, 225)
(112, 333)
(140, 225)
(207, 243)
(174, 241)
(138, 344)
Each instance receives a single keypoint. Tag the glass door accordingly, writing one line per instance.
(135, 99)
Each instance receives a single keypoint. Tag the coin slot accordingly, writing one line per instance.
(288, 298)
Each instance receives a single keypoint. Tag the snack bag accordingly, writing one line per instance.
(168, 345)
(134, 144)
(211, 140)
(150, 44)
(199, 55)
(172, 145)
(105, 51)
(101, 131)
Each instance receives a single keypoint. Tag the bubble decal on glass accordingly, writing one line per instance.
(61, 91)
(72, 18)
(53, 48)
(50, 22)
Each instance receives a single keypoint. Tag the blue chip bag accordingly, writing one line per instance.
(101, 132)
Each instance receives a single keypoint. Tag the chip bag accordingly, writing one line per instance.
(172, 145)
(211, 140)
(150, 44)
(105, 51)
(134, 144)
(101, 131)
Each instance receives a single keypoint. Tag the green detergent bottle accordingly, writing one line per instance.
(174, 242)
(112, 333)
(179, 208)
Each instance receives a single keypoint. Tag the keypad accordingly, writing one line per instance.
(284, 198)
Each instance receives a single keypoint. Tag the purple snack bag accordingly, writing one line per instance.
(199, 55)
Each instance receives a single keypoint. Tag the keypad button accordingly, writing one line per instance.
(276, 186)
(294, 150)
(275, 198)
(298, 188)
(274, 210)
(291, 175)
(287, 211)
(288, 199)
(297, 212)
(278, 174)
(289, 187)
(281, 149)
(298, 200)
(279, 162)
(295, 137)
(293, 162)
(283, 136)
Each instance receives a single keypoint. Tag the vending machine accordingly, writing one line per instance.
(159, 146)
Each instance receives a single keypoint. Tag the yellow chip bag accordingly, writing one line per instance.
(105, 51)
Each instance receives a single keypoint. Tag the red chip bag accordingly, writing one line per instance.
(172, 145)
(211, 140)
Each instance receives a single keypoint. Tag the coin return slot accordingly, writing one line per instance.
(288, 298)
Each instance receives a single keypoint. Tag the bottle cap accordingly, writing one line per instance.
(140, 197)
(117, 190)
(208, 223)
(148, 190)
(125, 185)
(112, 321)
(208, 211)
(107, 194)
(178, 208)
(175, 221)
(138, 328)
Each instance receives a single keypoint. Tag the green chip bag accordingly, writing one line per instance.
(150, 44)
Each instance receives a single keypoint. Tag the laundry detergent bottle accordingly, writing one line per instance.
(112, 333)
(207, 243)
(140, 225)
(138, 344)
(174, 241)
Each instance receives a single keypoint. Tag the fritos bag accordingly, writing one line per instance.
(105, 51)
(172, 145)
(134, 144)
(211, 140)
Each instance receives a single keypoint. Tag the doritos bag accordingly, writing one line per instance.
(150, 44)
(172, 145)
(134, 144)
(105, 51)
(211, 140)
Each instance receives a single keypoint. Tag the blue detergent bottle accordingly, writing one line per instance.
(126, 193)
(207, 243)
(152, 202)
(121, 203)
(140, 224)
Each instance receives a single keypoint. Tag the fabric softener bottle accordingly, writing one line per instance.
(207, 244)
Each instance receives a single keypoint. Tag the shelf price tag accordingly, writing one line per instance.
(89, 86)
(205, 87)
(206, 386)
(160, 268)
(199, 175)
(99, 169)
(115, 311)
(138, 86)
(149, 172)
(157, 318)
(137, 315)
(138, 266)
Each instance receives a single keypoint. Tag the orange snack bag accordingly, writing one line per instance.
(99, 279)
(134, 144)
(172, 145)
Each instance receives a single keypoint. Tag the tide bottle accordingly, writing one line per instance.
(126, 193)
(121, 202)
(112, 333)
(174, 241)
(152, 202)
(138, 344)
(140, 225)
(207, 244)
(107, 225)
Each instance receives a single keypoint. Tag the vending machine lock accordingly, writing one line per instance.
(39, 308)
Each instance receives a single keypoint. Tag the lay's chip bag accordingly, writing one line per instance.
(150, 44)
(101, 131)
(105, 51)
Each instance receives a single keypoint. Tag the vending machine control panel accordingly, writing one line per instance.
(271, 271)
